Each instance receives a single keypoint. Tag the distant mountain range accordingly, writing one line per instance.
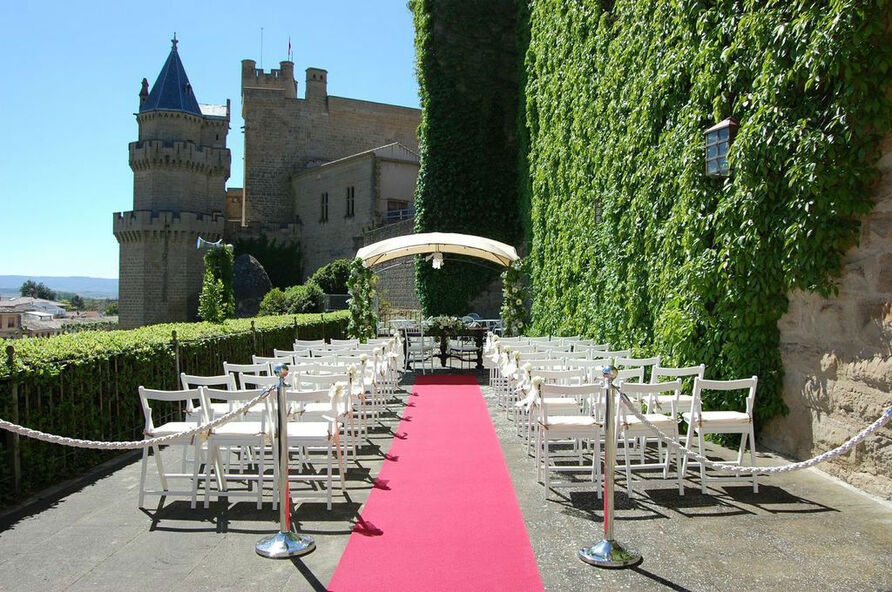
(87, 287)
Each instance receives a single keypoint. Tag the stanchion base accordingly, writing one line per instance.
(283, 545)
(609, 554)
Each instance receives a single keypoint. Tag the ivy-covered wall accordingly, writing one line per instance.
(468, 67)
(632, 243)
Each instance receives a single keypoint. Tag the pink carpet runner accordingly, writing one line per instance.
(443, 514)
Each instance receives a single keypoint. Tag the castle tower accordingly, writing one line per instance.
(180, 166)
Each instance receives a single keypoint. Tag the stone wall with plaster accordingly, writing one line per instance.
(838, 357)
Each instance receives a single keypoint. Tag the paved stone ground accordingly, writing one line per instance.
(802, 531)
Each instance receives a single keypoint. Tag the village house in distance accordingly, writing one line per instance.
(319, 170)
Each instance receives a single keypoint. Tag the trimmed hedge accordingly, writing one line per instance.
(467, 64)
(633, 244)
(84, 385)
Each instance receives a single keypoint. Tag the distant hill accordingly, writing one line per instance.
(88, 287)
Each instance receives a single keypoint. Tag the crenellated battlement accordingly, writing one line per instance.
(160, 153)
(141, 226)
(278, 80)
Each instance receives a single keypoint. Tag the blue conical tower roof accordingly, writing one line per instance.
(172, 91)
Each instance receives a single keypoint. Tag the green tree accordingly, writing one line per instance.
(112, 308)
(211, 301)
(217, 300)
(77, 303)
(36, 290)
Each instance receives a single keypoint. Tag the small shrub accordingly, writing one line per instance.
(305, 298)
(332, 278)
(273, 303)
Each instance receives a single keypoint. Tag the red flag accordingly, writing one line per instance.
(289, 48)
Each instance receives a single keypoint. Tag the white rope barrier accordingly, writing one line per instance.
(134, 444)
(842, 449)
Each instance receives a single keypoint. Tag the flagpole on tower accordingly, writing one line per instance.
(261, 48)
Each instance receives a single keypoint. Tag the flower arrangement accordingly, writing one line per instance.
(444, 325)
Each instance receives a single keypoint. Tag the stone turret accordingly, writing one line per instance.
(180, 166)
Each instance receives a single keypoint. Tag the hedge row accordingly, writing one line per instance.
(632, 242)
(85, 384)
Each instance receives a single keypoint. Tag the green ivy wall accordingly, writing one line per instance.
(631, 242)
(468, 67)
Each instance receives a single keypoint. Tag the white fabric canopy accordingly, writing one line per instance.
(437, 242)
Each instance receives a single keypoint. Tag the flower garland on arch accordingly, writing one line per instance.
(362, 285)
(514, 311)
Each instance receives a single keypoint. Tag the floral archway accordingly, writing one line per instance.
(363, 283)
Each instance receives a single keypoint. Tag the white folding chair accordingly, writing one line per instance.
(631, 431)
(291, 353)
(251, 440)
(347, 418)
(272, 361)
(420, 351)
(241, 369)
(576, 430)
(313, 434)
(630, 374)
(177, 402)
(722, 422)
(191, 381)
(682, 402)
(303, 344)
(627, 362)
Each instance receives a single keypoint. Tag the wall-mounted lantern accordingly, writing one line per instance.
(718, 139)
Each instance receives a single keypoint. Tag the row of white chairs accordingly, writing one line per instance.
(328, 404)
(567, 404)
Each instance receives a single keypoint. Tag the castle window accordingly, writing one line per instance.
(351, 209)
(324, 207)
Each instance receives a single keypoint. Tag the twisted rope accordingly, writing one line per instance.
(134, 444)
(842, 449)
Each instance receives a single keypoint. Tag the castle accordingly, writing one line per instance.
(319, 171)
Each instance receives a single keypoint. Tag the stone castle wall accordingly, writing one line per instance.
(837, 356)
(285, 135)
(161, 270)
(397, 283)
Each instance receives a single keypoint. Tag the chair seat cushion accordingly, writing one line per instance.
(309, 430)
(173, 427)
(718, 419)
(658, 419)
(569, 422)
(242, 429)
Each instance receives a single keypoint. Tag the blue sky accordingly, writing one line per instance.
(70, 86)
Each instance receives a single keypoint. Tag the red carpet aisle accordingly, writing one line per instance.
(443, 514)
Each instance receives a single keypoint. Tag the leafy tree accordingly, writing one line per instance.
(112, 308)
(217, 300)
(332, 278)
(37, 290)
(211, 301)
(77, 303)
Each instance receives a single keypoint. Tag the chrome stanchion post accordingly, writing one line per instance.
(285, 543)
(609, 552)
